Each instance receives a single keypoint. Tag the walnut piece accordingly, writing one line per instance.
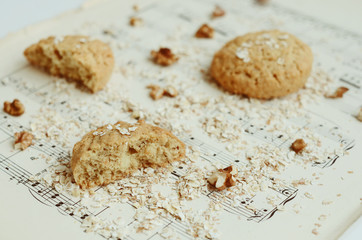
(223, 178)
(205, 31)
(23, 140)
(16, 108)
(338, 93)
(164, 57)
(135, 22)
(158, 92)
(218, 12)
(298, 145)
(262, 2)
(359, 115)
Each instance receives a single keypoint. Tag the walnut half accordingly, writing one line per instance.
(223, 178)
(23, 140)
(16, 108)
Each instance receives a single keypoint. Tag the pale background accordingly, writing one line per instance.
(16, 14)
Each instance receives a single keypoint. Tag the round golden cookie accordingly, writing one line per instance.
(263, 65)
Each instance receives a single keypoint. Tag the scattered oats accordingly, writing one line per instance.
(308, 195)
(350, 172)
(327, 202)
(322, 217)
(132, 129)
(243, 54)
(315, 232)
(280, 61)
(58, 40)
(283, 37)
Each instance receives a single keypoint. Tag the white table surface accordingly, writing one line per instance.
(17, 14)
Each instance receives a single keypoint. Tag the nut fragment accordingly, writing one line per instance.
(16, 108)
(23, 140)
(135, 21)
(338, 93)
(223, 178)
(218, 12)
(359, 116)
(164, 57)
(298, 145)
(158, 92)
(262, 2)
(205, 31)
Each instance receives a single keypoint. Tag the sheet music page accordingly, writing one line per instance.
(279, 194)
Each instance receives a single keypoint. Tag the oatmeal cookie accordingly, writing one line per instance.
(116, 150)
(263, 65)
(87, 61)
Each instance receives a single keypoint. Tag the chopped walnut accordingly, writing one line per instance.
(338, 93)
(16, 108)
(218, 12)
(262, 2)
(359, 116)
(23, 140)
(205, 31)
(135, 21)
(223, 178)
(298, 145)
(158, 92)
(164, 57)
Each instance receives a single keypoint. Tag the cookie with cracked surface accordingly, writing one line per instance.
(116, 150)
(79, 58)
(263, 65)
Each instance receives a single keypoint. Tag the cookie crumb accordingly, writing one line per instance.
(338, 93)
(223, 178)
(16, 108)
(218, 12)
(135, 22)
(205, 31)
(298, 145)
(23, 140)
(164, 57)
